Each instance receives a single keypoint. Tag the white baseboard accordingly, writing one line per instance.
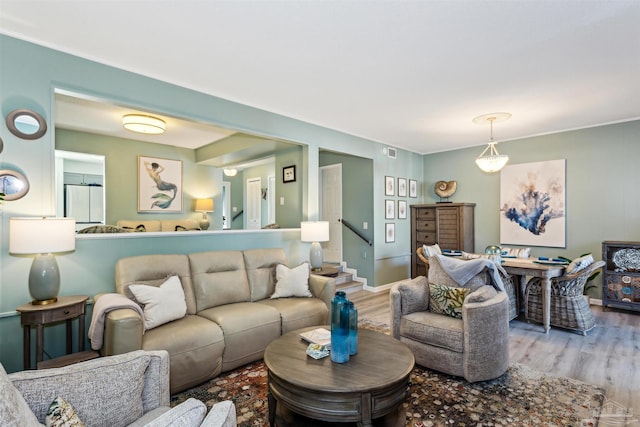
(382, 287)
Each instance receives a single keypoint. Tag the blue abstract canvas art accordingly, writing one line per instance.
(533, 204)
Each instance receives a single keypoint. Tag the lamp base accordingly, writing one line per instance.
(315, 256)
(44, 302)
(44, 280)
(204, 222)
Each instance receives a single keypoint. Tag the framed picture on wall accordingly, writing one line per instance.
(389, 209)
(402, 187)
(289, 173)
(402, 209)
(389, 186)
(533, 200)
(413, 188)
(159, 185)
(390, 232)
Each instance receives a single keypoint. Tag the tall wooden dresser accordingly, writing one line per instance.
(450, 225)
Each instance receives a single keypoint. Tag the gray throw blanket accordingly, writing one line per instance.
(103, 305)
(462, 271)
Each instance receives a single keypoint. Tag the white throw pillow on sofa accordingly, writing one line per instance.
(163, 303)
(292, 282)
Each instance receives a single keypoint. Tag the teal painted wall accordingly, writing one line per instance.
(603, 196)
(29, 74)
(289, 214)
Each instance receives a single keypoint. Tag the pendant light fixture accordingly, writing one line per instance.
(491, 161)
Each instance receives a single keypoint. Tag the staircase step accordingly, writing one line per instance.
(349, 287)
(343, 278)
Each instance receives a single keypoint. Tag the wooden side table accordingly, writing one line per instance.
(66, 308)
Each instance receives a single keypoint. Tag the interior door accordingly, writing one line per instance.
(271, 198)
(226, 205)
(252, 204)
(331, 210)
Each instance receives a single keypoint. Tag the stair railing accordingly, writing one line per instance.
(237, 215)
(356, 231)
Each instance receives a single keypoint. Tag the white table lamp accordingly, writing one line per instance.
(204, 206)
(42, 237)
(315, 232)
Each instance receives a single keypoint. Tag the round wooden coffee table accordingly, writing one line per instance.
(369, 389)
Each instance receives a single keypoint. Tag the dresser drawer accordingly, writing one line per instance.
(425, 238)
(623, 287)
(424, 225)
(422, 214)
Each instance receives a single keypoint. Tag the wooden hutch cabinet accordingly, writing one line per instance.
(621, 275)
(450, 225)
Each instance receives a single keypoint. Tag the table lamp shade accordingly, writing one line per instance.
(315, 232)
(204, 205)
(42, 237)
(30, 236)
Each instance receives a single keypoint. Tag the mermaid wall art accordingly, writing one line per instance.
(159, 185)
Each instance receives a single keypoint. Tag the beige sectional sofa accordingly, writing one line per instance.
(159, 225)
(230, 315)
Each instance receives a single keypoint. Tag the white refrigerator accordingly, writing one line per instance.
(85, 203)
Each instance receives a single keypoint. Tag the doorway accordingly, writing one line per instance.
(331, 210)
(254, 212)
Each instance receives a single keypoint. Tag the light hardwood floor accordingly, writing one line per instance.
(609, 356)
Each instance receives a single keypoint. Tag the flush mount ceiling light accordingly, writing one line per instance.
(143, 124)
(230, 172)
(491, 161)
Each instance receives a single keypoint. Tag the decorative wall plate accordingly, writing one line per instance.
(26, 124)
(627, 259)
(13, 184)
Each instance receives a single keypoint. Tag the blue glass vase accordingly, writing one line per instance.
(339, 328)
(353, 328)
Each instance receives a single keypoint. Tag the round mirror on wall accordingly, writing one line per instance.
(13, 184)
(26, 124)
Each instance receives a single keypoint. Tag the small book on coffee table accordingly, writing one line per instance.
(320, 336)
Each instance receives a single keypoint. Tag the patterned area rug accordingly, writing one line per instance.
(520, 397)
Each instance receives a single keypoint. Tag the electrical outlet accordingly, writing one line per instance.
(364, 254)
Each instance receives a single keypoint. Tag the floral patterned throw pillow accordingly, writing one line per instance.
(61, 414)
(447, 300)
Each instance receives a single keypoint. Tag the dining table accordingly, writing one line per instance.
(520, 268)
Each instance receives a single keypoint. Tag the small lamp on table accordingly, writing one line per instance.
(315, 232)
(42, 237)
(204, 206)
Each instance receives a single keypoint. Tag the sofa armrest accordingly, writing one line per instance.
(222, 414)
(486, 337)
(322, 287)
(395, 306)
(123, 329)
(156, 392)
(406, 298)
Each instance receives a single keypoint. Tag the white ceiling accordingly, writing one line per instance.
(411, 74)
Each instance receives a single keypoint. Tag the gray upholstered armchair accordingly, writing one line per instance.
(130, 389)
(475, 346)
